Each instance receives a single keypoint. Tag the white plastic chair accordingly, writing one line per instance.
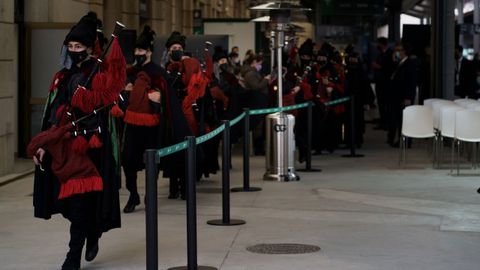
(464, 102)
(467, 129)
(447, 127)
(429, 102)
(417, 123)
(437, 107)
(472, 106)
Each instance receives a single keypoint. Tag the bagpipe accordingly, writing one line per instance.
(66, 128)
(106, 96)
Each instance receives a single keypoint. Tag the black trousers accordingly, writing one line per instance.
(137, 139)
(82, 215)
(381, 89)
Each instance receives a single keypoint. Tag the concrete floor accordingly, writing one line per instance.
(364, 214)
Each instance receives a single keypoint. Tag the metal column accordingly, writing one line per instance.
(443, 44)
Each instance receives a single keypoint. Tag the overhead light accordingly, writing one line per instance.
(261, 19)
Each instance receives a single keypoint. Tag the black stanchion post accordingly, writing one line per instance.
(226, 221)
(191, 210)
(191, 204)
(151, 209)
(352, 154)
(308, 160)
(246, 156)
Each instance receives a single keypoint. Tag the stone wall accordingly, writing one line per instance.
(8, 86)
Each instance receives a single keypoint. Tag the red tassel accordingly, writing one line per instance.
(80, 186)
(80, 145)
(116, 111)
(141, 119)
(94, 142)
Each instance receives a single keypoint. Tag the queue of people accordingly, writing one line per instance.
(92, 129)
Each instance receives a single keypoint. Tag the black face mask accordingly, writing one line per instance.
(140, 59)
(176, 55)
(223, 67)
(78, 57)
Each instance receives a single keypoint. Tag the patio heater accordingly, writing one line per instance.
(280, 140)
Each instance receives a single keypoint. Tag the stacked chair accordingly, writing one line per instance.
(440, 119)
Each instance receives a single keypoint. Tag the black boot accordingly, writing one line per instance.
(74, 255)
(173, 188)
(133, 201)
(92, 247)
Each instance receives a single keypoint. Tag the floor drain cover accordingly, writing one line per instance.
(209, 190)
(283, 248)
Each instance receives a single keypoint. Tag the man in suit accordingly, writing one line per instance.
(465, 75)
(383, 67)
(402, 90)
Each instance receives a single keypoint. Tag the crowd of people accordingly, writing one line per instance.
(92, 129)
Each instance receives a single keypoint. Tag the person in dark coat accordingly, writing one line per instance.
(403, 87)
(357, 86)
(330, 87)
(465, 75)
(255, 97)
(299, 90)
(383, 68)
(78, 170)
(190, 83)
(142, 108)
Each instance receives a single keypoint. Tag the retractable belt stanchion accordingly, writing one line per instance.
(151, 209)
(246, 156)
(226, 221)
(191, 210)
(352, 131)
(308, 160)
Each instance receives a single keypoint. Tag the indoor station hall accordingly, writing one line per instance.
(239, 134)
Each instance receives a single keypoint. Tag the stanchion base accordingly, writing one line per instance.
(199, 267)
(308, 170)
(219, 222)
(242, 189)
(353, 156)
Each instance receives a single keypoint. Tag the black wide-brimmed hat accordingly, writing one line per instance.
(176, 38)
(146, 39)
(85, 31)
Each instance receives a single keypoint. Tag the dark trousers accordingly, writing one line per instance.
(382, 102)
(137, 140)
(395, 120)
(82, 215)
(131, 179)
(359, 124)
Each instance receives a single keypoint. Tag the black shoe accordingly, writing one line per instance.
(70, 264)
(69, 267)
(92, 249)
(133, 201)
